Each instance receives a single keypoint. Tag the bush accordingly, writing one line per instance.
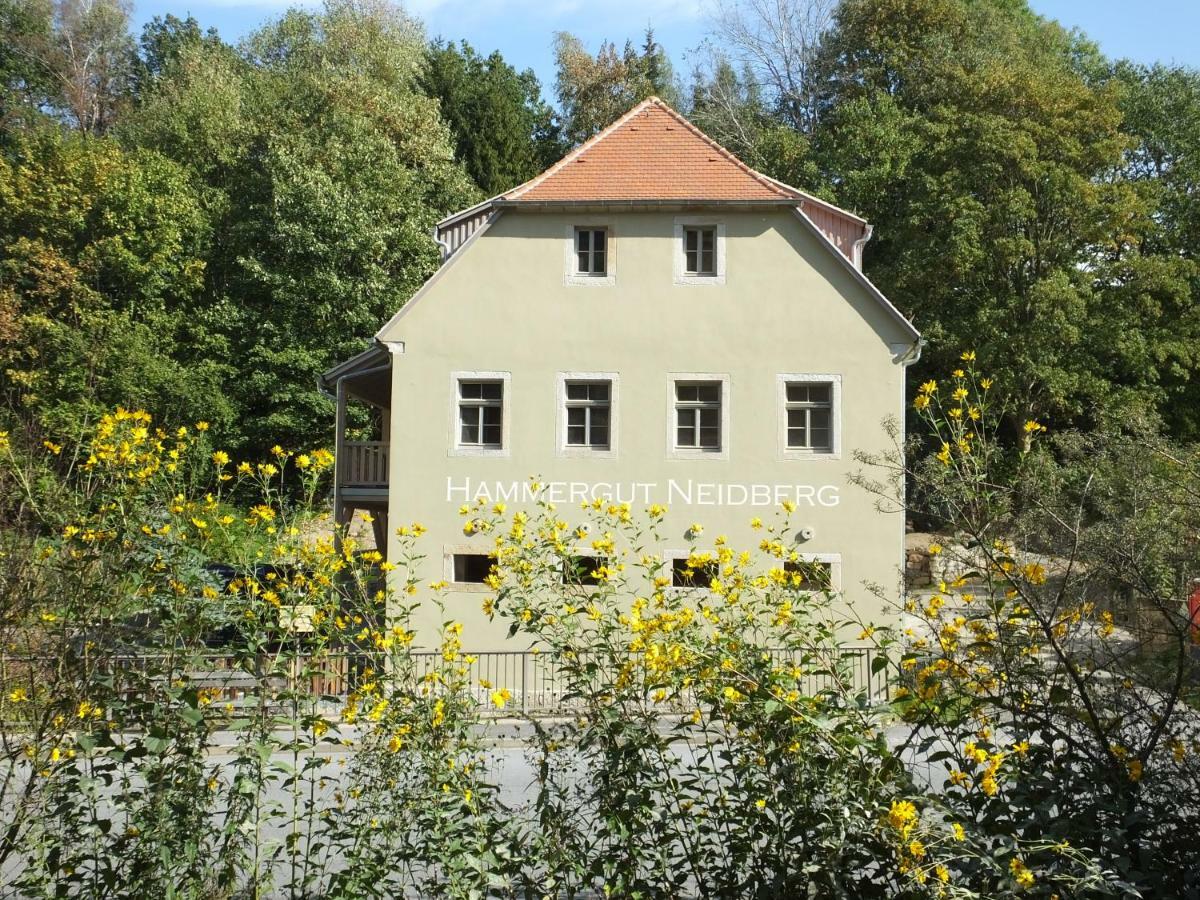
(207, 692)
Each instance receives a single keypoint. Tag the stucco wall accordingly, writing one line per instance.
(786, 306)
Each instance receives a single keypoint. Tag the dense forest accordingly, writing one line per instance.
(200, 228)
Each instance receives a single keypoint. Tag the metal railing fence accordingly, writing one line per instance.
(537, 683)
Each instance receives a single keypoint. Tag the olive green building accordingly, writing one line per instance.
(649, 321)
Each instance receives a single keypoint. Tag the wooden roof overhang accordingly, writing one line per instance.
(367, 377)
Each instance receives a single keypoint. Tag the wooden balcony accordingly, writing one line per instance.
(363, 465)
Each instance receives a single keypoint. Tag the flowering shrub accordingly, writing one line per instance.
(725, 743)
(206, 691)
(146, 574)
(1048, 667)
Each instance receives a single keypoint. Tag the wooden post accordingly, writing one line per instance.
(339, 464)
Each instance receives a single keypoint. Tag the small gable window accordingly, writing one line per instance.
(700, 251)
(591, 252)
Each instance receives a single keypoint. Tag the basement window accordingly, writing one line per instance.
(685, 576)
(814, 575)
(581, 570)
(472, 568)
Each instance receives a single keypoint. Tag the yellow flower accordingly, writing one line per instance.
(202, 426)
(921, 402)
(54, 448)
(959, 833)
(501, 697)
(986, 383)
(968, 356)
(18, 695)
(928, 387)
(220, 458)
(760, 803)
(303, 461)
(1033, 427)
(4, 440)
(1135, 770)
(902, 816)
(277, 451)
(1035, 573)
(1020, 872)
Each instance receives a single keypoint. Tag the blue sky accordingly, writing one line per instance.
(1153, 30)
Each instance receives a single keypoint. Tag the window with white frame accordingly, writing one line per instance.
(591, 251)
(698, 415)
(700, 251)
(481, 413)
(588, 414)
(809, 410)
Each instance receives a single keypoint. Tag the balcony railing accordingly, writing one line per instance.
(364, 464)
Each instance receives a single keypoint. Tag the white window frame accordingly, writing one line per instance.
(560, 418)
(674, 452)
(835, 417)
(681, 276)
(459, 449)
(571, 277)
(449, 551)
(833, 560)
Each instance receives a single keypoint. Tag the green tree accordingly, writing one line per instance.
(975, 138)
(325, 166)
(594, 91)
(25, 84)
(101, 267)
(504, 133)
(730, 108)
(163, 43)
(1161, 106)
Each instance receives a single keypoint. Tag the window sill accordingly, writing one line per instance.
(690, 453)
(700, 280)
(576, 280)
(796, 453)
(479, 451)
(565, 452)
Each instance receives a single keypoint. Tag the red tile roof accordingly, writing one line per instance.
(651, 153)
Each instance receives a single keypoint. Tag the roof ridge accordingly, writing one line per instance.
(777, 186)
(582, 148)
